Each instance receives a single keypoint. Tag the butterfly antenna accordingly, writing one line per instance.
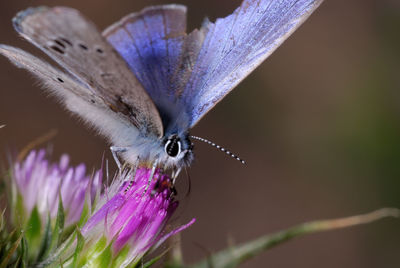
(219, 148)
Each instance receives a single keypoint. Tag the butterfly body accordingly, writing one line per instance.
(144, 82)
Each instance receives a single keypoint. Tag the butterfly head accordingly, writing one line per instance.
(179, 149)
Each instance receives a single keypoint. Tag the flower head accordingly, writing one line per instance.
(133, 219)
(41, 183)
(125, 222)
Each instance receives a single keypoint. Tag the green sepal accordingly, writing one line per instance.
(18, 212)
(105, 258)
(33, 229)
(59, 225)
(93, 252)
(98, 255)
(84, 215)
(79, 246)
(46, 241)
(52, 237)
(121, 256)
(57, 255)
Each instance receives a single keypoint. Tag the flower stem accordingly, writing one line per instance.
(233, 256)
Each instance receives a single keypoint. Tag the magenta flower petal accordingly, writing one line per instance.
(101, 214)
(133, 217)
(177, 230)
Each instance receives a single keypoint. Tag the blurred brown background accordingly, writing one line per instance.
(318, 124)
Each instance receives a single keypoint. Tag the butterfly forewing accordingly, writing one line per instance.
(76, 44)
(150, 41)
(157, 49)
(235, 45)
(76, 96)
(195, 71)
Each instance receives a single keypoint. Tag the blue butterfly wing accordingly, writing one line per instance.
(235, 45)
(187, 74)
(157, 49)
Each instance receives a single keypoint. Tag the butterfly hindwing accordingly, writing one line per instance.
(76, 44)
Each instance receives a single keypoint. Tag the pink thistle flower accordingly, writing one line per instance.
(134, 219)
(40, 184)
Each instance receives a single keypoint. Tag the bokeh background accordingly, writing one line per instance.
(318, 124)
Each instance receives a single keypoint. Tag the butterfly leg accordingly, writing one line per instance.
(131, 181)
(114, 151)
(133, 176)
(153, 170)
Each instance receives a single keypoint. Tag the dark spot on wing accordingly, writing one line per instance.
(83, 46)
(66, 41)
(59, 43)
(60, 80)
(57, 49)
(92, 101)
(99, 50)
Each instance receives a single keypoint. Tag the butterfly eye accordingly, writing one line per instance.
(173, 146)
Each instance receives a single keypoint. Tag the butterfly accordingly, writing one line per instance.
(144, 82)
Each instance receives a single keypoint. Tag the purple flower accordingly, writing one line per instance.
(133, 218)
(40, 184)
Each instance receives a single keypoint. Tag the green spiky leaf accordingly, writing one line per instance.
(8, 256)
(2, 221)
(23, 253)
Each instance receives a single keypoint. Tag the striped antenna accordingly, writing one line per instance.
(219, 147)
